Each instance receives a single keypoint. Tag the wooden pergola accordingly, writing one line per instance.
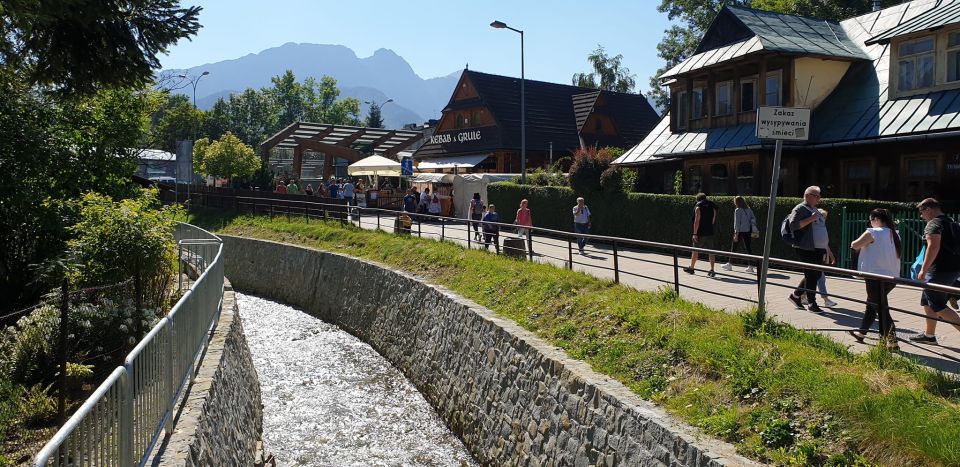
(336, 141)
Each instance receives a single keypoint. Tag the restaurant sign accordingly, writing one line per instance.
(459, 137)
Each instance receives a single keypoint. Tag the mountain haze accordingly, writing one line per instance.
(381, 76)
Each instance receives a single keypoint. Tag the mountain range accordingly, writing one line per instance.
(379, 77)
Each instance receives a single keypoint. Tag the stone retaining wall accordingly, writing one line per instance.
(511, 397)
(221, 420)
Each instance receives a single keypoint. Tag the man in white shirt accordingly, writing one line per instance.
(581, 222)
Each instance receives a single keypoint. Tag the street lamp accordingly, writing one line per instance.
(193, 81)
(523, 104)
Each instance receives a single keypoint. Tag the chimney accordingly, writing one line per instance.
(876, 5)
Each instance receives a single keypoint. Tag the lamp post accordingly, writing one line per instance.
(523, 104)
(379, 107)
(193, 82)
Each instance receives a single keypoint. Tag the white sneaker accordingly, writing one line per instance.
(829, 303)
(727, 267)
(750, 270)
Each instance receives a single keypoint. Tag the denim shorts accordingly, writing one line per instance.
(938, 300)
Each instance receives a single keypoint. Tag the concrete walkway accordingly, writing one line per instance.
(733, 291)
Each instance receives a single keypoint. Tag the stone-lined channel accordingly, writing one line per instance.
(330, 399)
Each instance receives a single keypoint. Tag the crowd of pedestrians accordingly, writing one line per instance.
(342, 188)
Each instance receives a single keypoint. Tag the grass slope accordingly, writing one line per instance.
(780, 395)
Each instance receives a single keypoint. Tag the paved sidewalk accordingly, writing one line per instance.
(734, 291)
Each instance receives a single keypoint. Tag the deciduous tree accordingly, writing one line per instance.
(227, 157)
(608, 74)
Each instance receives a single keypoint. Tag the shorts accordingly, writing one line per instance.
(706, 241)
(934, 299)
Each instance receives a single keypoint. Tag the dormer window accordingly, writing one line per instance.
(772, 96)
(682, 114)
(724, 106)
(748, 95)
(916, 64)
(699, 109)
(953, 56)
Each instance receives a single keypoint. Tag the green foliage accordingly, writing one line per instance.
(612, 74)
(81, 46)
(540, 177)
(51, 151)
(374, 116)
(179, 121)
(114, 240)
(79, 370)
(10, 395)
(227, 157)
(662, 218)
(612, 180)
(37, 406)
(811, 400)
(587, 169)
(678, 183)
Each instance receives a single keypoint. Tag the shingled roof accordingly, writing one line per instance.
(938, 15)
(737, 31)
(555, 112)
(858, 109)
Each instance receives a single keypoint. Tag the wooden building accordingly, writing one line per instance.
(884, 89)
(480, 127)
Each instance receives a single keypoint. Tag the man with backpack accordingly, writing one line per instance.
(808, 231)
(704, 228)
(941, 265)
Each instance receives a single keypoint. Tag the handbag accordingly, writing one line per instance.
(918, 263)
(754, 231)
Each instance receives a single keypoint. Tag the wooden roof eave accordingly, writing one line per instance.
(744, 59)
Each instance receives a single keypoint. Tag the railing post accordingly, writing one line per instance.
(530, 243)
(419, 228)
(469, 238)
(288, 211)
(616, 264)
(359, 221)
(271, 209)
(442, 229)
(378, 221)
(758, 279)
(569, 253)
(676, 273)
(126, 420)
(168, 377)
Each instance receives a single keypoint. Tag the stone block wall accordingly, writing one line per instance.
(511, 397)
(221, 420)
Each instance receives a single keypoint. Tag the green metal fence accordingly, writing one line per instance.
(909, 225)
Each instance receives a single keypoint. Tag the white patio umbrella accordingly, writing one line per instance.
(376, 166)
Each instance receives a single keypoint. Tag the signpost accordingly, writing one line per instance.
(406, 167)
(779, 124)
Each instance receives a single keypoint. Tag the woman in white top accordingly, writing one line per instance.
(435, 206)
(879, 248)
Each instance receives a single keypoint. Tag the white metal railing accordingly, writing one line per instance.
(121, 422)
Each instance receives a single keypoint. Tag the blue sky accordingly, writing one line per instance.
(437, 37)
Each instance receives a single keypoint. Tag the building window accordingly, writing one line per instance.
(916, 64)
(748, 95)
(475, 118)
(921, 177)
(772, 93)
(699, 109)
(723, 98)
(682, 115)
(461, 121)
(745, 178)
(719, 179)
(953, 56)
(694, 181)
(859, 178)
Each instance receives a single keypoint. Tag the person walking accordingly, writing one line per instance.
(491, 232)
(581, 223)
(349, 191)
(704, 228)
(308, 190)
(822, 281)
(476, 214)
(808, 224)
(941, 265)
(524, 220)
(744, 228)
(424, 201)
(292, 187)
(281, 188)
(333, 189)
(410, 202)
(435, 207)
(880, 250)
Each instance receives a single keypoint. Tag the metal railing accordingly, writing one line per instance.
(617, 249)
(121, 422)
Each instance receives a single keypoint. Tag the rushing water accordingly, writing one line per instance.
(330, 399)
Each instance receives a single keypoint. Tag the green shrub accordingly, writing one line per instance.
(664, 218)
(587, 168)
(611, 180)
(37, 407)
(115, 239)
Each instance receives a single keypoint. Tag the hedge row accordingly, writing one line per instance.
(662, 218)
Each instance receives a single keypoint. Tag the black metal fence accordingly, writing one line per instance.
(616, 249)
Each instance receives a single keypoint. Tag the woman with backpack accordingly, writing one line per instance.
(880, 251)
(744, 231)
(476, 213)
